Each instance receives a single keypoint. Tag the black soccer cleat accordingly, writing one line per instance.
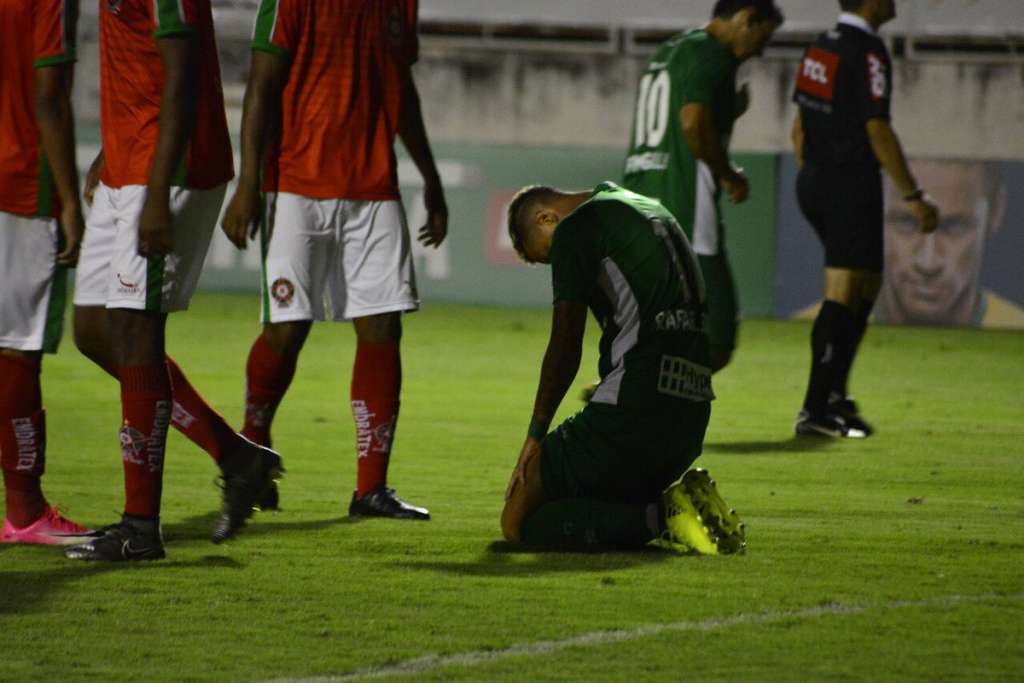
(129, 540)
(248, 475)
(849, 411)
(383, 502)
(271, 499)
(828, 425)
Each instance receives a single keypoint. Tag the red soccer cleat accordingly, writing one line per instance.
(50, 529)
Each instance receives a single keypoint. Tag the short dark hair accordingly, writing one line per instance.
(521, 206)
(851, 5)
(764, 10)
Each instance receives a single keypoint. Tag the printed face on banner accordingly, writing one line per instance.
(934, 279)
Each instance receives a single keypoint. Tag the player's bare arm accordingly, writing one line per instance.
(796, 136)
(262, 98)
(414, 137)
(57, 135)
(742, 100)
(92, 178)
(706, 144)
(178, 55)
(561, 362)
(889, 152)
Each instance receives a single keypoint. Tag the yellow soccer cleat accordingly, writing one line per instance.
(697, 520)
(724, 525)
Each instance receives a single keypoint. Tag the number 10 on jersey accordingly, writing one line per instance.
(652, 109)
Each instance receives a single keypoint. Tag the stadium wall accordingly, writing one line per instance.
(501, 118)
(964, 108)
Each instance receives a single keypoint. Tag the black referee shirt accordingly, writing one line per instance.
(844, 80)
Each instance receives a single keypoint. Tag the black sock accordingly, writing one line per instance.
(841, 377)
(587, 524)
(830, 340)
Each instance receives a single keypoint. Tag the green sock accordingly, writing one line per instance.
(583, 523)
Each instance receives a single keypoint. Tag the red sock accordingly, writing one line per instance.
(22, 439)
(267, 377)
(193, 417)
(146, 410)
(376, 384)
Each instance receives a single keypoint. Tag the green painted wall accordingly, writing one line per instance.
(484, 272)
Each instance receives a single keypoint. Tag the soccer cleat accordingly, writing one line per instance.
(248, 475)
(382, 502)
(697, 520)
(849, 411)
(720, 521)
(50, 529)
(271, 499)
(829, 425)
(127, 541)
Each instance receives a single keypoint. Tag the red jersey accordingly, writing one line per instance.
(131, 86)
(341, 105)
(33, 34)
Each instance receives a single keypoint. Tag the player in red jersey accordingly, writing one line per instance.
(162, 176)
(333, 229)
(40, 230)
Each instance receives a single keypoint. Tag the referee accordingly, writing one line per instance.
(842, 137)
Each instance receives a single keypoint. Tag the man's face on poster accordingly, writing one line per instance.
(933, 279)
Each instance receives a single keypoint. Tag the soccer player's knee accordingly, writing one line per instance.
(511, 524)
(286, 338)
(385, 328)
(88, 341)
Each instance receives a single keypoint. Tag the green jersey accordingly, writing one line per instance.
(625, 256)
(689, 68)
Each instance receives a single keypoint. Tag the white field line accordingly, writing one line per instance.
(594, 638)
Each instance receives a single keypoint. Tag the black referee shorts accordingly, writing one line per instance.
(844, 206)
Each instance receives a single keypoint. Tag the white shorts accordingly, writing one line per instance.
(34, 287)
(351, 257)
(110, 271)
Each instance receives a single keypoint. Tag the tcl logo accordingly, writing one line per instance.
(817, 75)
(815, 70)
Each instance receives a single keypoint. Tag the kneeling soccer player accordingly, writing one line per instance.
(609, 477)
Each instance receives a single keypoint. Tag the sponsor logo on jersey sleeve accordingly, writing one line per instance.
(817, 76)
(878, 77)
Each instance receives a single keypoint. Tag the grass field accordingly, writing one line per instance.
(900, 557)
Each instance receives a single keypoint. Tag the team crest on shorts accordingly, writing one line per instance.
(114, 6)
(283, 291)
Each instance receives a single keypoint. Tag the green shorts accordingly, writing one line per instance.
(723, 303)
(607, 453)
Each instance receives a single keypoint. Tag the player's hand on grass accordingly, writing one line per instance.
(72, 225)
(92, 178)
(531, 449)
(736, 186)
(926, 213)
(436, 227)
(242, 218)
(156, 234)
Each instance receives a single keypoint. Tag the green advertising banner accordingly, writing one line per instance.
(477, 263)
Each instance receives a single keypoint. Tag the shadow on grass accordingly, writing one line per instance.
(23, 591)
(794, 444)
(506, 559)
(198, 527)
